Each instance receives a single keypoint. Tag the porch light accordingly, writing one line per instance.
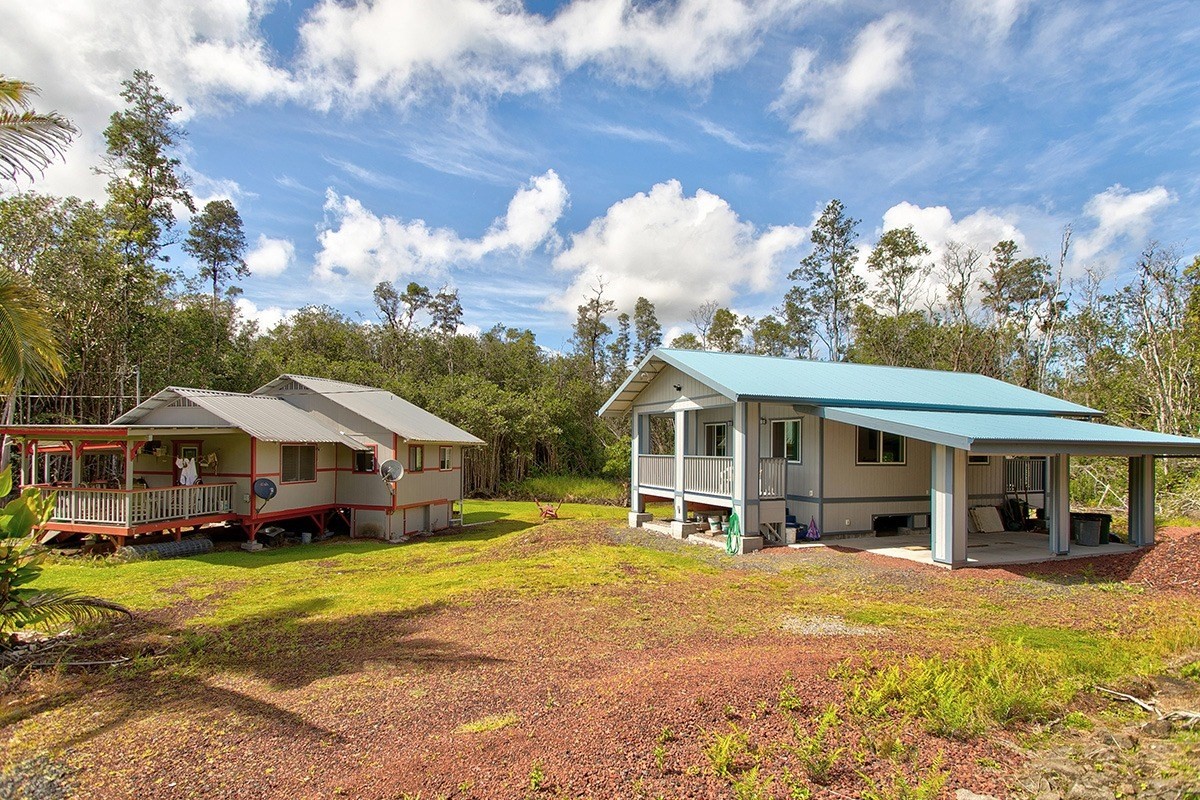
(678, 387)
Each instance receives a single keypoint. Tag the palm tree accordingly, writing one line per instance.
(29, 356)
(28, 140)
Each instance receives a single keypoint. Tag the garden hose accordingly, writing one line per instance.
(733, 535)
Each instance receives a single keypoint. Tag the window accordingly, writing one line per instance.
(716, 439)
(298, 463)
(416, 458)
(364, 460)
(785, 439)
(444, 458)
(878, 447)
(974, 458)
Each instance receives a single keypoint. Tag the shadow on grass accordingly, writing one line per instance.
(179, 670)
(479, 531)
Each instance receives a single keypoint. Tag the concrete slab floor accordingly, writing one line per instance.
(983, 549)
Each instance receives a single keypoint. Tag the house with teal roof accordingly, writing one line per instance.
(863, 450)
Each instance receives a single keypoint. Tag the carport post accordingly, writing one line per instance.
(948, 505)
(1058, 503)
(1141, 500)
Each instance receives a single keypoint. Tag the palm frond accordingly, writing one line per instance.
(28, 347)
(58, 606)
(30, 140)
(15, 93)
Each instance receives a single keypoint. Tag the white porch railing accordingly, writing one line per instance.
(708, 475)
(772, 477)
(711, 475)
(657, 471)
(128, 509)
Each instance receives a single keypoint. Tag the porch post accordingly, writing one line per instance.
(680, 438)
(76, 464)
(745, 473)
(948, 505)
(22, 447)
(1058, 503)
(637, 442)
(129, 456)
(1141, 500)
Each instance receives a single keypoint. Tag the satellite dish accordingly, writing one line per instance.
(391, 470)
(265, 488)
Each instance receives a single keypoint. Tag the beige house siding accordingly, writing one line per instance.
(660, 394)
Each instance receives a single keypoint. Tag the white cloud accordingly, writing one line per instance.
(360, 246)
(840, 96)
(266, 318)
(78, 52)
(1119, 213)
(675, 250)
(362, 53)
(270, 257)
(981, 229)
(994, 18)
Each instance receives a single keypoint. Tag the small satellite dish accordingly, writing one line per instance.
(265, 488)
(391, 470)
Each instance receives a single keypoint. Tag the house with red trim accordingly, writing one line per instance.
(186, 458)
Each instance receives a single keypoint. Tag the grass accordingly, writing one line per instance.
(570, 488)
(985, 653)
(490, 723)
(343, 577)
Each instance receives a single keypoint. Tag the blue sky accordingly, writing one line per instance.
(678, 150)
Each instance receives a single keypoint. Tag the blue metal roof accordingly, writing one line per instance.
(824, 383)
(1016, 434)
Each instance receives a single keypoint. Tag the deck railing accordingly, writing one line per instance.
(657, 471)
(708, 475)
(128, 509)
(772, 477)
(711, 475)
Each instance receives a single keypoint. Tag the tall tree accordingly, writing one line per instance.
(725, 334)
(770, 336)
(618, 351)
(833, 288)
(145, 182)
(217, 241)
(701, 318)
(29, 140)
(445, 311)
(591, 333)
(145, 175)
(799, 320)
(647, 333)
(899, 263)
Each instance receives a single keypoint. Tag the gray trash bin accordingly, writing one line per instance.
(1085, 531)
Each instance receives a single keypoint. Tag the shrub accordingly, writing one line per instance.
(726, 751)
(813, 751)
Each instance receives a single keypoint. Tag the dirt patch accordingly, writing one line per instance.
(1172, 563)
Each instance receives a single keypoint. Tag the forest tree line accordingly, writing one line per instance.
(127, 317)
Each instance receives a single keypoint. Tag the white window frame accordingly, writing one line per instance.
(799, 423)
(880, 463)
(725, 442)
(445, 458)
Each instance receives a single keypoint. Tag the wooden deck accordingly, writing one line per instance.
(121, 513)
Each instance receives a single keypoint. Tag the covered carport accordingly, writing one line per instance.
(954, 435)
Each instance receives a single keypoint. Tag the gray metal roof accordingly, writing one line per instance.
(264, 417)
(824, 383)
(1015, 434)
(378, 406)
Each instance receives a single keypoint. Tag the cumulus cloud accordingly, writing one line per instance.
(270, 257)
(1120, 213)
(936, 225)
(362, 52)
(838, 97)
(675, 250)
(266, 318)
(360, 246)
